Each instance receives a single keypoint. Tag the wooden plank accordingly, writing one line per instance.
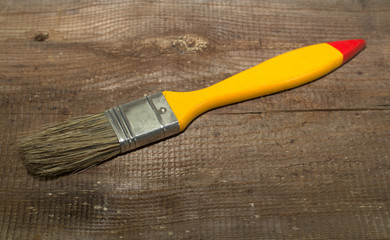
(312, 162)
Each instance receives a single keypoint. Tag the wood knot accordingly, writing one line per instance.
(41, 36)
(189, 43)
(171, 44)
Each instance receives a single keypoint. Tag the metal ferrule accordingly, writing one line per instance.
(143, 121)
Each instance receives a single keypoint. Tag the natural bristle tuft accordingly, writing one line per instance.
(69, 146)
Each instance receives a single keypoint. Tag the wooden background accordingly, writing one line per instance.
(309, 163)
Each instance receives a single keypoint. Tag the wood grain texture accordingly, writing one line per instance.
(309, 163)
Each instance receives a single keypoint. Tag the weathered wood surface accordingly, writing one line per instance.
(309, 163)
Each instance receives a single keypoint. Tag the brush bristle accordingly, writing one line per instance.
(69, 146)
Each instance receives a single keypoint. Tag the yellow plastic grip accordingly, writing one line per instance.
(283, 72)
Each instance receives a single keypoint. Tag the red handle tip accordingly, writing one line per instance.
(348, 48)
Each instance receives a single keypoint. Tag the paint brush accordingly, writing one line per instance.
(86, 141)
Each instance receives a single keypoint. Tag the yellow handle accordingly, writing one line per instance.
(283, 72)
